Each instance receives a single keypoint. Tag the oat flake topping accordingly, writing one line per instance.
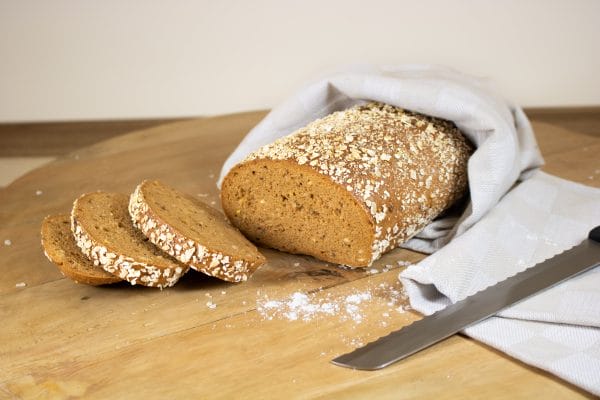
(404, 167)
(189, 252)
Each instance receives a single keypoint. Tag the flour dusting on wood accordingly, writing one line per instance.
(306, 307)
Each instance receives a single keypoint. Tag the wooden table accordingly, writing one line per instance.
(59, 339)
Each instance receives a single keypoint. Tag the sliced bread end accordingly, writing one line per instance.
(60, 248)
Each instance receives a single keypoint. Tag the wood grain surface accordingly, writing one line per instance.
(59, 339)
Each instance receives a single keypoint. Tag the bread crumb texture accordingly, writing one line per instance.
(350, 186)
(60, 248)
(102, 229)
(192, 232)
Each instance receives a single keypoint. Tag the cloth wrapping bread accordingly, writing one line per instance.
(558, 330)
(506, 146)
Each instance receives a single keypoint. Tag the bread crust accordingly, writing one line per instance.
(81, 270)
(115, 262)
(229, 267)
(404, 168)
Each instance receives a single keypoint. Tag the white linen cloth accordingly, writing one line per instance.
(558, 330)
(506, 147)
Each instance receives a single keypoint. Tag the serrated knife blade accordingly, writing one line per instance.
(456, 317)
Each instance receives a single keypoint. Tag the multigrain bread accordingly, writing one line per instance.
(193, 232)
(102, 229)
(351, 186)
(60, 248)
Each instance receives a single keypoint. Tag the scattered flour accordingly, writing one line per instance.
(356, 342)
(307, 307)
(402, 263)
(38, 192)
(211, 305)
(358, 298)
(20, 285)
(7, 242)
(297, 306)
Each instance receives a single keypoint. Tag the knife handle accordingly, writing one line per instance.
(595, 234)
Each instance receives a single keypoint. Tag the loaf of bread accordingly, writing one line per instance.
(350, 186)
(60, 248)
(102, 229)
(192, 232)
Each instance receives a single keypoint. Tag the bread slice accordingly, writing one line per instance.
(60, 248)
(193, 232)
(351, 186)
(103, 230)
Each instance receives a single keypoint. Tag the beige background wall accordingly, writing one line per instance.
(85, 59)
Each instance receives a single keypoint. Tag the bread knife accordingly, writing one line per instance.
(481, 305)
